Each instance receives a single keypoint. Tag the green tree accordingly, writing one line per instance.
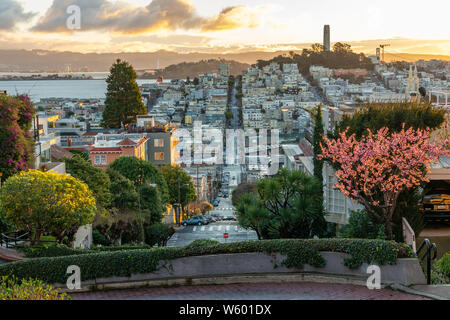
(47, 202)
(317, 140)
(241, 190)
(142, 173)
(375, 116)
(292, 207)
(97, 180)
(123, 98)
(181, 188)
(82, 154)
(342, 48)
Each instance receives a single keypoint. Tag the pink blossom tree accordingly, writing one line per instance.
(376, 169)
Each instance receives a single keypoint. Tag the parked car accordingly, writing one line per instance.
(229, 218)
(210, 219)
(198, 220)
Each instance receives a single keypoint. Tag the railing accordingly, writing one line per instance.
(17, 239)
(427, 254)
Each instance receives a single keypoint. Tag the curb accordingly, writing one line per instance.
(399, 287)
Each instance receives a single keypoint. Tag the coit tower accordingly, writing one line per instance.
(326, 38)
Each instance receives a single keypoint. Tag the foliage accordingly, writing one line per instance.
(142, 173)
(202, 243)
(125, 263)
(394, 116)
(362, 225)
(16, 141)
(62, 251)
(288, 205)
(123, 98)
(158, 234)
(96, 179)
(341, 57)
(317, 141)
(13, 289)
(99, 239)
(123, 191)
(379, 167)
(82, 154)
(443, 264)
(440, 272)
(49, 203)
(181, 187)
(229, 115)
(242, 189)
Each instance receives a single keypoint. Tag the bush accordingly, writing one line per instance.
(158, 234)
(202, 243)
(361, 225)
(99, 238)
(12, 289)
(125, 263)
(440, 273)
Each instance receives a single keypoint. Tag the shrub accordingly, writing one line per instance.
(202, 243)
(99, 238)
(158, 234)
(12, 289)
(440, 273)
(122, 263)
(443, 264)
(361, 225)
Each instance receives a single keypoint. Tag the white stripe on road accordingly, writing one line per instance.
(195, 229)
(228, 228)
(203, 228)
(219, 228)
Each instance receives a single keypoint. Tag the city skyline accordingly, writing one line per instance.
(221, 26)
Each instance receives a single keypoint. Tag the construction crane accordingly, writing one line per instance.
(382, 46)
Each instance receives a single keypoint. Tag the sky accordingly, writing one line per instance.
(223, 25)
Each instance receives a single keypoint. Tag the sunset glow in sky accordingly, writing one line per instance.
(223, 25)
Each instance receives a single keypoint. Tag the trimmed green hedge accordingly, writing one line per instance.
(62, 251)
(125, 263)
(202, 243)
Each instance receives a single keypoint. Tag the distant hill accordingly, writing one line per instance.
(55, 61)
(193, 69)
(409, 57)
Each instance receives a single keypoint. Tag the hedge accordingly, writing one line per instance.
(61, 251)
(125, 263)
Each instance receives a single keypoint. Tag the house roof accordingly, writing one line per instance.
(127, 142)
(57, 153)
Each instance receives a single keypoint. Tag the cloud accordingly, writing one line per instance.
(12, 13)
(124, 18)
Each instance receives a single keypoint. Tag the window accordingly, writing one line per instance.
(159, 143)
(100, 160)
(159, 156)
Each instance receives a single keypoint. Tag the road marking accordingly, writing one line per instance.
(228, 228)
(203, 228)
(211, 228)
(195, 229)
(219, 228)
(236, 228)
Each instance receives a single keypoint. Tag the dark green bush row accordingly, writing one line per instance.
(202, 243)
(125, 263)
(61, 251)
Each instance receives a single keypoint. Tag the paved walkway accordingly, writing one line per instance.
(257, 291)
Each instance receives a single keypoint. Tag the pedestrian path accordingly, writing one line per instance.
(219, 229)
